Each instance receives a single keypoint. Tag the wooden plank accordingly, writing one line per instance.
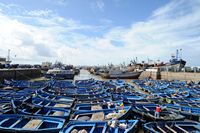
(33, 124)
(40, 102)
(172, 130)
(76, 117)
(161, 129)
(58, 113)
(146, 108)
(48, 104)
(181, 129)
(15, 123)
(60, 105)
(63, 99)
(96, 107)
(97, 116)
(197, 105)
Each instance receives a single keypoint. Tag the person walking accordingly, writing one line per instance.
(157, 112)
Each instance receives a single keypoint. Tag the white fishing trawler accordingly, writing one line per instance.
(60, 73)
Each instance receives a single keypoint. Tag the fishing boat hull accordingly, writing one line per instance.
(60, 76)
(125, 75)
(147, 112)
(192, 113)
(101, 127)
(101, 115)
(48, 103)
(172, 127)
(23, 123)
(44, 95)
(29, 109)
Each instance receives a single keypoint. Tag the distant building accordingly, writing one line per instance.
(46, 64)
(3, 61)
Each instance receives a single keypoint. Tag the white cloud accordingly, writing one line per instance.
(40, 13)
(58, 2)
(174, 26)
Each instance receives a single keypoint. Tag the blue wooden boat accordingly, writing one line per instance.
(172, 127)
(82, 97)
(188, 103)
(97, 101)
(94, 97)
(101, 115)
(190, 112)
(5, 107)
(164, 89)
(24, 84)
(21, 84)
(121, 126)
(85, 83)
(23, 123)
(76, 91)
(129, 97)
(29, 109)
(38, 84)
(44, 95)
(195, 99)
(48, 103)
(191, 102)
(13, 94)
(59, 73)
(147, 111)
(89, 93)
(118, 82)
(103, 106)
(60, 84)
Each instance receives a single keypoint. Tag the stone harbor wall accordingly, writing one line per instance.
(170, 75)
(149, 74)
(22, 73)
(180, 76)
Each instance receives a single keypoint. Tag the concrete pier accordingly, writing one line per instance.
(19, 73)
(149, 74)
(171, 75)
(180, 76)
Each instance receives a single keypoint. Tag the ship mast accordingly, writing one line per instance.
(177, 54)
(8, 57)
(180, 54)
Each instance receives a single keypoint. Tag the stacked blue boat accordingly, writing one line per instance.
(65, 106)
(177, 99)
(93, 106)
(19, 114)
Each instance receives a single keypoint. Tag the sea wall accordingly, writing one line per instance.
(171, 75)
(24, 73)
(180, 76)
(149, 74)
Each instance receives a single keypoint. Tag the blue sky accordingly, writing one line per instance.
(95, 12)
(89, 32)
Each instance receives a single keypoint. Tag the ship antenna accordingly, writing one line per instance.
(177, 54)
(8, 58)
(136, 59)
(180, 54)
